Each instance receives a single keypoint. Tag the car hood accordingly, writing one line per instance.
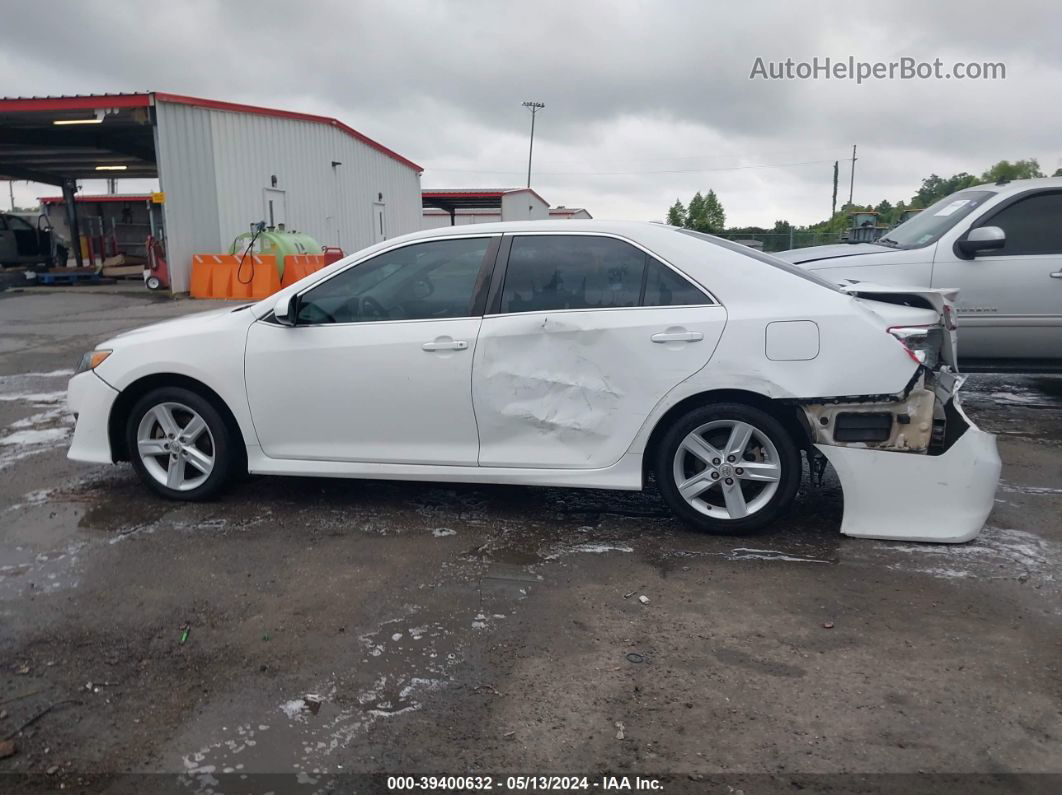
(181, 326)
(844, 255)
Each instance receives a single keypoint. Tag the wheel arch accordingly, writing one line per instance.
(128, 397)
(791, 418)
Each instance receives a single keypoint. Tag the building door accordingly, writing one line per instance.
(275, 210)
(379, 226)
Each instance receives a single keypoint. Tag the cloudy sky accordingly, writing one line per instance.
(645, 101)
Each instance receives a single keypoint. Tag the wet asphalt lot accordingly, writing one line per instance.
(319, 627)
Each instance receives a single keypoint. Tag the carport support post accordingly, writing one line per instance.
(69, 189)
(453, 216)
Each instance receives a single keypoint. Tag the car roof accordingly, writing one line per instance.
(622, 228)
(1018, 185)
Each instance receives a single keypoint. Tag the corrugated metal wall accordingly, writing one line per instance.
(240, 153)
(522, 205)
(185, 154)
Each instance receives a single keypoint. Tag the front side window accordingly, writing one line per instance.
(20, 224)
(1032, 225)
(555, 272)
(423, 281)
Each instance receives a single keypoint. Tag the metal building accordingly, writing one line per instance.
(221, 167)
(456, 206)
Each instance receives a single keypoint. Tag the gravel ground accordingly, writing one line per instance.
(319, 628)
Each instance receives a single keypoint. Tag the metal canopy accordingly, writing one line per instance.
(54, 139)
(453, 199)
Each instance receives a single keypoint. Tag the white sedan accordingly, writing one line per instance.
(561, 353)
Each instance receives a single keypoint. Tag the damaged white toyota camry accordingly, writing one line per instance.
(570, 353)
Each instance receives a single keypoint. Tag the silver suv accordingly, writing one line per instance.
(999, 245)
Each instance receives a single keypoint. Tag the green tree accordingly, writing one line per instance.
(714, 214)
(695, 213)
(1058, 172)
(1019, 169)
(935, 188)
(676, 215)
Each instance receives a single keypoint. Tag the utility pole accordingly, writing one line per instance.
(11, 192)
(851, 185)
(534, 107)
(836, 169)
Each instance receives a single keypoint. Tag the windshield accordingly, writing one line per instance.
(934, 221)
(788, 267)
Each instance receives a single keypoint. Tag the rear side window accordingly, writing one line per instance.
(1033, 226)
(552, 272)
(664, 287)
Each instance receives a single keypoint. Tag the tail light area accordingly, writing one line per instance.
(922, 343)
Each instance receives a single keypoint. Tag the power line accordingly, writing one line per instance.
(832, 149)
(631, 173)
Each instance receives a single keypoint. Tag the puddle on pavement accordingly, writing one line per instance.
(1025, 406)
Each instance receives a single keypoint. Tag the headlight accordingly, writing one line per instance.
(91, 360)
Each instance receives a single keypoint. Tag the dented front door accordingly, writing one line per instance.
(570, 389)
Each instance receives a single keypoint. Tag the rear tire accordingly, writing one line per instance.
(180, 445)
(727, 468)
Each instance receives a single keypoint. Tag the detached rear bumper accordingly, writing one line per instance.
(90, 399)
(944, 498)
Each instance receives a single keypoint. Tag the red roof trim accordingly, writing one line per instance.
(477, 194)
(87, 102)
(94, 101)
(235, 107)
(449, 194)
(93, 199)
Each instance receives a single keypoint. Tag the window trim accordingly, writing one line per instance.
(985, 219)
(479, 294)
(502, 268)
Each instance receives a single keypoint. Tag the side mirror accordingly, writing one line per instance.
(983, 238)
(284, 310)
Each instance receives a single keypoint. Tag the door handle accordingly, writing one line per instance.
(677, 336)
(445, 345)
(1056, 275)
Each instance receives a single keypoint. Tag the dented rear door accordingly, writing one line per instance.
(570, 387)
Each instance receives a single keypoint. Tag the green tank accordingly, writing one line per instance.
(278, 243)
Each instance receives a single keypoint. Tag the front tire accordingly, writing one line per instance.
(180, 445)
(727, 468)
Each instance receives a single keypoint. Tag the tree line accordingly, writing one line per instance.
(705, 213)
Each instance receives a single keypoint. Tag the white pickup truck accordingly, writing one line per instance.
(1000, 245)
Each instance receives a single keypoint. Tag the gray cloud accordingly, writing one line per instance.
(656, 88)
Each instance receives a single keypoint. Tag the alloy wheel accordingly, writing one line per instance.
(176, 446)
(727, 469)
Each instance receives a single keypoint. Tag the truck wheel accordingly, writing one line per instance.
(727, 468)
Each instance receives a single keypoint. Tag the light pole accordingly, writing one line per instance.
(534, 107)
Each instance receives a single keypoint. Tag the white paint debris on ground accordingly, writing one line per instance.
(745, 553)
(997, 553)
(40, 572)
(1017, 488)
(43, 430)
(34, 398)
(442, 532)
(401, 661)
(591, 548)
(17, 378)
(748, 553)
